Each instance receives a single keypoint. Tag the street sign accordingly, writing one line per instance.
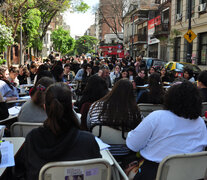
(190, 36)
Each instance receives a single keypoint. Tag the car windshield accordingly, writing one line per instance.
(182, 66)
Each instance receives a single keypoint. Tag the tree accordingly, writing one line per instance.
(62, 41)
(111, 13)
(16, 9)
(6, 39)
(85, 44)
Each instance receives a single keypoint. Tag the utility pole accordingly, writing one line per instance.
(21, 59)
(189, 45)
(132, 36)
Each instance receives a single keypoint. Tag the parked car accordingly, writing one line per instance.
(153, 62)
(177, 68)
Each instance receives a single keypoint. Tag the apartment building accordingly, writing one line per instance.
(179, 25)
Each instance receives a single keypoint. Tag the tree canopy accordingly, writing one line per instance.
(85, 44)
(62, 41)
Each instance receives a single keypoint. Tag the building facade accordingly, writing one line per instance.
(179, 25)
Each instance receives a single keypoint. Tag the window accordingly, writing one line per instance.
(202, 1)
(179, 6)
(203, 49)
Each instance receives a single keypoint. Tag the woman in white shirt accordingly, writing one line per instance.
(176, 130)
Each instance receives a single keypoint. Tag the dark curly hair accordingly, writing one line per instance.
(203, 77)
(184, 100)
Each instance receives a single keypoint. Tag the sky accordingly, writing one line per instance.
(80, 22)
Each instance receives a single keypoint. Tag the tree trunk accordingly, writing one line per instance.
(9, 56)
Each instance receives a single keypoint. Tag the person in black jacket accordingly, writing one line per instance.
(3, 108)
(202, 85)
(60, 138)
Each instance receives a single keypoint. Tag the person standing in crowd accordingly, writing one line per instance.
(124, 74)
(68, 74)
(33, 110)
(140, 80)
(23, 74)
(41, 68)
(96, 67)
(155, 93)
(202, 85)
(57, 72)
(164, 75)
(188, 74)
(171, 131)
(115, 74)
(86, 75)
(138, 63)
(60, 138)
(104, 72)
(51, 57)
(131, 73)
(151, 71)
(7, 90)
(32, 72)
(13, 73)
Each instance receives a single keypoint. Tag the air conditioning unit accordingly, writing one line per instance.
(179, 17)
(202, 7)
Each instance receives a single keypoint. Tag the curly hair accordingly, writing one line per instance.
(184, 100)
(203, 77)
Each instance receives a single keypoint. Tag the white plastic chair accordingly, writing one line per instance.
(183, 167)
(21, 129)
(147, 108)
(109, 135)
(93, 169)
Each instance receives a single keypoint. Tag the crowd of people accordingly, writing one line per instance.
(107, 92)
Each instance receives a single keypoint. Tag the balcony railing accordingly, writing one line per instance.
(139, 38)
(163, 28)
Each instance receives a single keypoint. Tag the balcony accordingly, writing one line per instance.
(139, 39)
(162, 30)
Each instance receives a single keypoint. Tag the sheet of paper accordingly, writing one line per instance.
(25, 97)
(14, 110)
(7, 153)
(101, 144)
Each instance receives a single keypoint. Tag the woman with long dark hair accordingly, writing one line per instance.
(117, 109)
(155, 92)
(60, 138)
(95, 89)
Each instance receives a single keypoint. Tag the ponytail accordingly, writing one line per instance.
(55, 114)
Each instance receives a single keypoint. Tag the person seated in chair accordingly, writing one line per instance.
(176, 130)
(60, 138)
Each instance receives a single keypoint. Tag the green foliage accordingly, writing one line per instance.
(6, 38)
(30, 25)
(82, 7)
(37, 44)
(2, 61)
(85, 44)
(62, 41)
